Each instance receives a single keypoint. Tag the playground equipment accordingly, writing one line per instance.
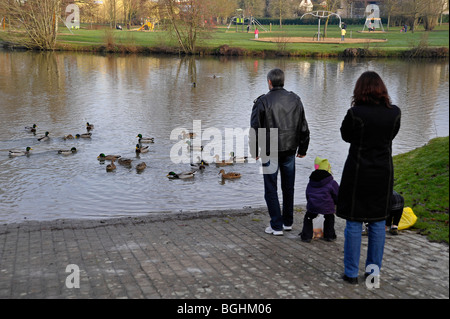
(147, 26)
(373, 20)
(240, 19)
(322, 15)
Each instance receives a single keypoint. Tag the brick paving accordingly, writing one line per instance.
(208, 255)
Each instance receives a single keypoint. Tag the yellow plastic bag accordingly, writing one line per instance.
(408, 219)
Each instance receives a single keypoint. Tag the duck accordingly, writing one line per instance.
(89, 126)
(68, 137)
(103, 157)
(141, 166)
(111, 167)
(194, 147)
(141, 149)
(189, 135)
(73, 150)
(223, 162)
(230, 175)
(31, 129)
(238, 159)
(124, 161)
(20, 153)
(184, 175)
(44, 138)
(84, 135)
(145, 139)
(200, 165)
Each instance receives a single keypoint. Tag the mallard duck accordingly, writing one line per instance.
(84, 135)
(194, 147)
(103, 157)
(189, 135)
(73, 150)
(141, 149)
(68, 137)
(230, 175)
(238, 159)
(145, 139)
(222, 162)
(20, 153)
(141, 166)
(44, 138)
(31, 129)
(200, 165)
(89, 126)
(110, 167)
(124, 161)
(183, 175)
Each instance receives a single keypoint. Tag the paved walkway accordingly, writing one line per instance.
(210, 255)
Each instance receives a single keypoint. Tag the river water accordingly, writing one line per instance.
(156, 96)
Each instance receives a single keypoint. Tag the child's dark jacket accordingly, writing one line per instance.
(321, 193)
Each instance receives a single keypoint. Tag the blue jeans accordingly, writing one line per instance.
(278, 218)
(352, 246)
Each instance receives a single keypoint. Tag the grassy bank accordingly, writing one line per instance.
(421, 176)
(224, 41)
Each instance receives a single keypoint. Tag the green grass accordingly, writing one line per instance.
(209, 42)
(421, 176)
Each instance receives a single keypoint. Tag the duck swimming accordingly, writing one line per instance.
(141, 149)
(184, 175)
(103, 157)
(44, 138)
(73, 150)
(230, 175)
(89, 126)
(145, 139)
(20, 153)
(141, 166)
(111, 167)
(31, 129)
(84, 135)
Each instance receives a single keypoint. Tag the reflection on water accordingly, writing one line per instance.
(125, 96)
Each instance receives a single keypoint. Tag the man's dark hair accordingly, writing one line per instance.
(276, 76)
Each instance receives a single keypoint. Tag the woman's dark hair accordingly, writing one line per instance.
(370, 89)
(276, 76)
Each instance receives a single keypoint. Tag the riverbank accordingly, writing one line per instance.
(422, 177)
(222, 41)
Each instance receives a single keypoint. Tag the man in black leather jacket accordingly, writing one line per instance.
(281, 130)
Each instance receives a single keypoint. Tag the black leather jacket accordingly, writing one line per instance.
(282, 110)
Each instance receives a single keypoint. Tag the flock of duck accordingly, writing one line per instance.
(195, 167)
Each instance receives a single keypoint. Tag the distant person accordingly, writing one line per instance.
(367, 180)
(248, 28)
(343, 32)
(281, 110)
(405, 27)
(321, 197)
(256, 33)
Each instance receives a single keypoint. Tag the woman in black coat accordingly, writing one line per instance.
(366, 185)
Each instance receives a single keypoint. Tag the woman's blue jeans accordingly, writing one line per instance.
(352, 246)
(278, 218)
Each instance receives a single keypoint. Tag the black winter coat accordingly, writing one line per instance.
(283, 110)
(368, 176)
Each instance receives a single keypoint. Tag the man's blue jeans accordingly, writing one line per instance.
(352, 246)
(278, 218)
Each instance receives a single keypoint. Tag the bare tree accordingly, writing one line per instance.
(38, 18)
(187, 19)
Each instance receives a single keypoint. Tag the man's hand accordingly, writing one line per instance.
(300, 156)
